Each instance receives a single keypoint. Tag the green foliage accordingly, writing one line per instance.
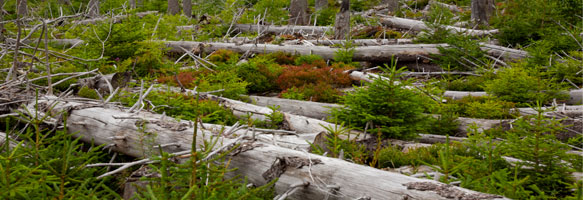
(273, 11)
(463, 54)
(319, 92)
(526, 21)
(467, 83)
(149, 58)
(344, 53)
(521, 85)
(533, 141)
(393, 157)
(275, 118)
(339, 140)
(326, 16)
(481, 107)
(51, 165)
(397, 110)
(199, 177)
(312, 59)
(261, 73)
(87, 93)
(446, 123)
(121, 40)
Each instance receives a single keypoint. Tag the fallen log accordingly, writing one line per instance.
(304, 108)
(416, 25)
(259, 163)
(357, 42)
(277, 30)
(404, 52)
(452, 8)
(575, 96)
(409, 52)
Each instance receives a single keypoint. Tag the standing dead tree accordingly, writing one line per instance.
(342, 23)
(173, 7)
(298, 12)
(482, 11)
(21, 7)
(187, 8)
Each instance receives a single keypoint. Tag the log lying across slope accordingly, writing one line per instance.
(322, 176)
(405, 52)
(416, 25)
(575, 96)
(277, 30)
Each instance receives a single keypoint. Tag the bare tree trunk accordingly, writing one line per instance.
(392, 5)
(21, 7)
(140, 3)
(1, 19)
(93, 8)
(321, 4)
(133, 4)
(342, 24)
(482, 11)
(187, 8)
(298, 12)
(173, 7)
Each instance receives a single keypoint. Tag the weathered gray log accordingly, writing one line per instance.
(300, 124)
(482, 10)
(452, 8)
(575, 96)
(324, 176)
(298, 12)
(342, 22)
(416, 25)
(461, 94)
(406, 52)
(357, 42)
(304, 108)
(290, 29)
(116, 19)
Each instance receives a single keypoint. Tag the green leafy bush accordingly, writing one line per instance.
(396, 109)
